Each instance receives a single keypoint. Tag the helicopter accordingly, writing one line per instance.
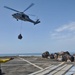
(22, 16)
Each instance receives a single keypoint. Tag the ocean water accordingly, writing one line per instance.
(22, 54)
(27, 54)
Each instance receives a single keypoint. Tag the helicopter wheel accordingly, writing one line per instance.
(17, 19)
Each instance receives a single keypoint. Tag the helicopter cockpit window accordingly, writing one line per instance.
(23, 16)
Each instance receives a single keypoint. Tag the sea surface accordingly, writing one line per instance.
(27, 54)
(22, 54)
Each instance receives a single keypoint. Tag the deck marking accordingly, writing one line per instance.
(47, 70)
(64, 70)
(31, 63)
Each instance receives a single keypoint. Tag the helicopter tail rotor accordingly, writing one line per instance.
(37, 21)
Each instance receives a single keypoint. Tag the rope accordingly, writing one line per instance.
(21, 27)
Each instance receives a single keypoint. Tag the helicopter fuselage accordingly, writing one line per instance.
(21, 16)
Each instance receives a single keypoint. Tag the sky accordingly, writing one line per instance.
(55, 33)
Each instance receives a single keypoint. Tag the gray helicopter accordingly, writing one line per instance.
(22, 16)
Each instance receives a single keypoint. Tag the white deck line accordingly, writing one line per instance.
(47, 70)
(31, 63)
(64, 70)
(41, 70)
(58, 69)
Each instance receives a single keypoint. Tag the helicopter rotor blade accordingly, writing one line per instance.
(32, 15)
(29, 7)
(11, 9)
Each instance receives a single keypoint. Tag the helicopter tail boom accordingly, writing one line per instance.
(37, 21)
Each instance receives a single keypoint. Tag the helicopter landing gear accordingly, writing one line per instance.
(20, 36)
(17, 19)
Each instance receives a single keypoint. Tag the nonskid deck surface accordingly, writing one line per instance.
(59, 69)
(35, 65)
